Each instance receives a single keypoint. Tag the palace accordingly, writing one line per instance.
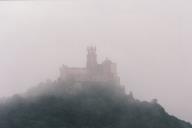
(94, 72)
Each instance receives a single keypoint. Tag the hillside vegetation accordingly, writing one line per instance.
(83, 105)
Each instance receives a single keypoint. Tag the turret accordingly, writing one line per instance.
(91, 59)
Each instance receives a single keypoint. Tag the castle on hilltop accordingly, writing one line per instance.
(93, 72)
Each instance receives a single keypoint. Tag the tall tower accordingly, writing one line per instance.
(91, 59)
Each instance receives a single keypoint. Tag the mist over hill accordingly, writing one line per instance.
(67, 104)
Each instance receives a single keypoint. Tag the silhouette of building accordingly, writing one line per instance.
(104, 72)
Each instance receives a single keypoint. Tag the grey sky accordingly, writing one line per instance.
(150, 40)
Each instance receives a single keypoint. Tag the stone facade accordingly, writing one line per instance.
(104, 72)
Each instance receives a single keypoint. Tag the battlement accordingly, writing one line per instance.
(104, 72)
(91, 49)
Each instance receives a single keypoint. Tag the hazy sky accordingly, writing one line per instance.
(149, 39)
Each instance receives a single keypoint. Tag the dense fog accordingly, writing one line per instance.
(149, 40)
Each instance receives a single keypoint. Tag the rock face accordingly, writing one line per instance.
(83, 105)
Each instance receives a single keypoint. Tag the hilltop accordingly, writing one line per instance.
(83, 105)
(88, 97)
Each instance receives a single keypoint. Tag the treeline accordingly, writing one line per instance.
(84, 105)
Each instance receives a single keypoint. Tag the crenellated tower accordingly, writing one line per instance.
(94, 71)
(91, 59)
